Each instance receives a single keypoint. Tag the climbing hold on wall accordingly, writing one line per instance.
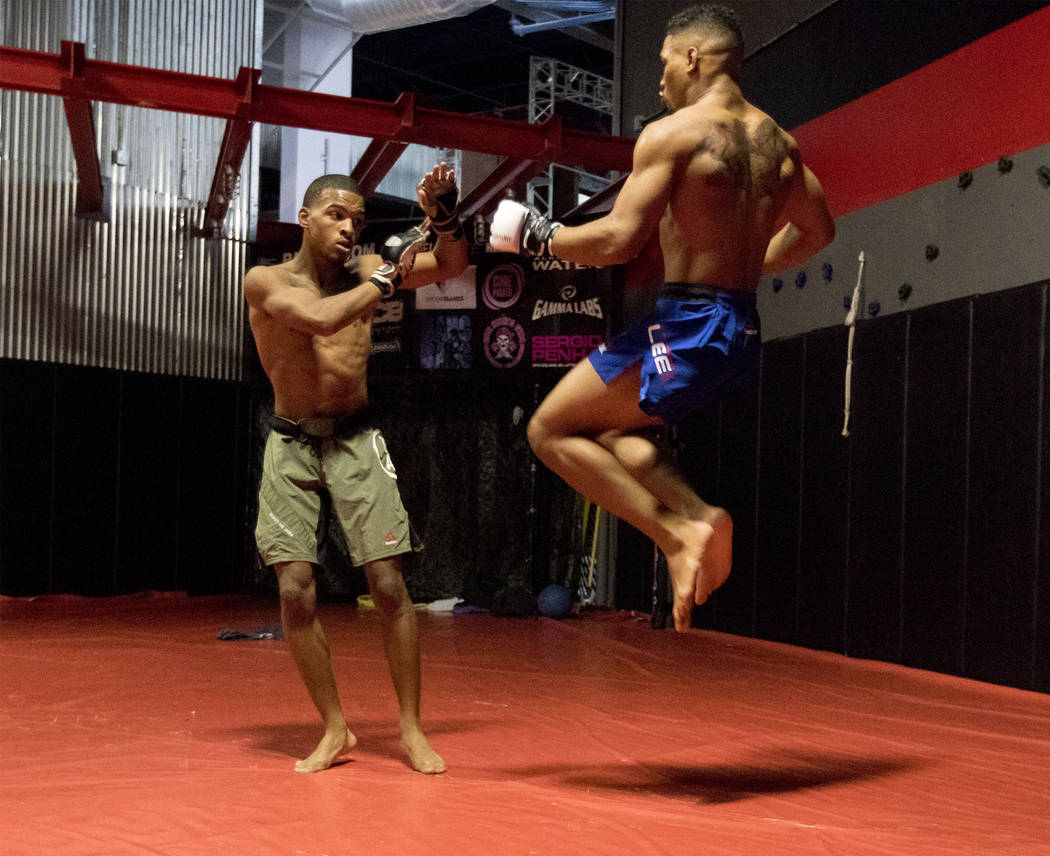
(1005, 165)
(932, 252)
(800, 280)
(873, 308)
(965, 179)
(778, 283)
(1044, 175)
(904, 292)
(826, 271)
(847, 302)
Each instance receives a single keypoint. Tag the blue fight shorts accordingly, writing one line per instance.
(699, 343)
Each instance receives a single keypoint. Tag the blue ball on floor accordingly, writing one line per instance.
(555, 602)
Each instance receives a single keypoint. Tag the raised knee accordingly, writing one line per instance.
(634, 450)
(538, 436)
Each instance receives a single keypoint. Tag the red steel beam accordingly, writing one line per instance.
(85, 151)
(486, 196)
(231, 154)
(227, 175)
(376, 161)
(81, 122)
(600, 203)
(35, 71)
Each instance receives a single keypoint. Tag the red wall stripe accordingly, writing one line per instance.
(968, 109)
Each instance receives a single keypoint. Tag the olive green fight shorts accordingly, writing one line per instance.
(354, 467)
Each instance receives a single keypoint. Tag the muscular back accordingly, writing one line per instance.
(733, 169)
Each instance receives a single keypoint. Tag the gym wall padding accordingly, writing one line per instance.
(890, 162)
(963, 111)
(921, 538)
(117, 482)
(823, 541)
(779, 453)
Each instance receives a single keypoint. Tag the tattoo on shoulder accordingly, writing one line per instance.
(728, 146)
(768, 152)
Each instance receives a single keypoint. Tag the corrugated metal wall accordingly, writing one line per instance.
(138, 291)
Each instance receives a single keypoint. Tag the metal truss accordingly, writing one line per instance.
(551, 82)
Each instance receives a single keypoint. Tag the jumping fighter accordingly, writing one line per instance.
(724, 189)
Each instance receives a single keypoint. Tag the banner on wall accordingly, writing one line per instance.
(539, 313)
(457, 293)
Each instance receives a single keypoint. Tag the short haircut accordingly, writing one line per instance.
(336, 181)
(708, 16)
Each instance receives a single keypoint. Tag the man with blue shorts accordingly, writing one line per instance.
(723, 189)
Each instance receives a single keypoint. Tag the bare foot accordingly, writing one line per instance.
(683, 566)
(701, 564)
(718, 555)
(422, 758)
(330, 748)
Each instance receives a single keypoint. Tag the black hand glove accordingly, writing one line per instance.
(399, 254)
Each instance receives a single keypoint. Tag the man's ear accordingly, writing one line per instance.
(692, 59)
(304, 217)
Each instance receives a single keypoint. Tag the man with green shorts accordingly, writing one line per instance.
(312, 322)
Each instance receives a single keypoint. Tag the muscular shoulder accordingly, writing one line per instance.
(768, 137)
(670, 135)
(265, 281)
(263, 278)
(706, 130)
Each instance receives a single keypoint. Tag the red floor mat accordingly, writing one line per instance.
(128, 728)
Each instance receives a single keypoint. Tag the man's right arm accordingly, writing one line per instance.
(809, 226)
(621, 234)
(303, 310)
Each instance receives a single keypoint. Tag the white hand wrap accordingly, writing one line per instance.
(516, 228)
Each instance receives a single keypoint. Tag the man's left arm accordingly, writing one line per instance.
(439, 198)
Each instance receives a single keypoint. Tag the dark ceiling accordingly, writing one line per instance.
(473, 64)
(840, 49)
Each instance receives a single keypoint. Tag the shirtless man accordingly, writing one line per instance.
(312, 322)
(725, 190)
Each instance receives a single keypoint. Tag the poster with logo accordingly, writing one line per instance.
(445, 342)
(456, 293)
(538, 313)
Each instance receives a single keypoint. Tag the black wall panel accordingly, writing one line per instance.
(27, 400)
(825, 495)
(780, 432)
(1004, 456)
(732, 607)
(698, 441)
(211, 508)
(873, 584)
(942, 487)
(148, 517)
(1042, 632)
(86, 434)
(934, 554)
(115, 482)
